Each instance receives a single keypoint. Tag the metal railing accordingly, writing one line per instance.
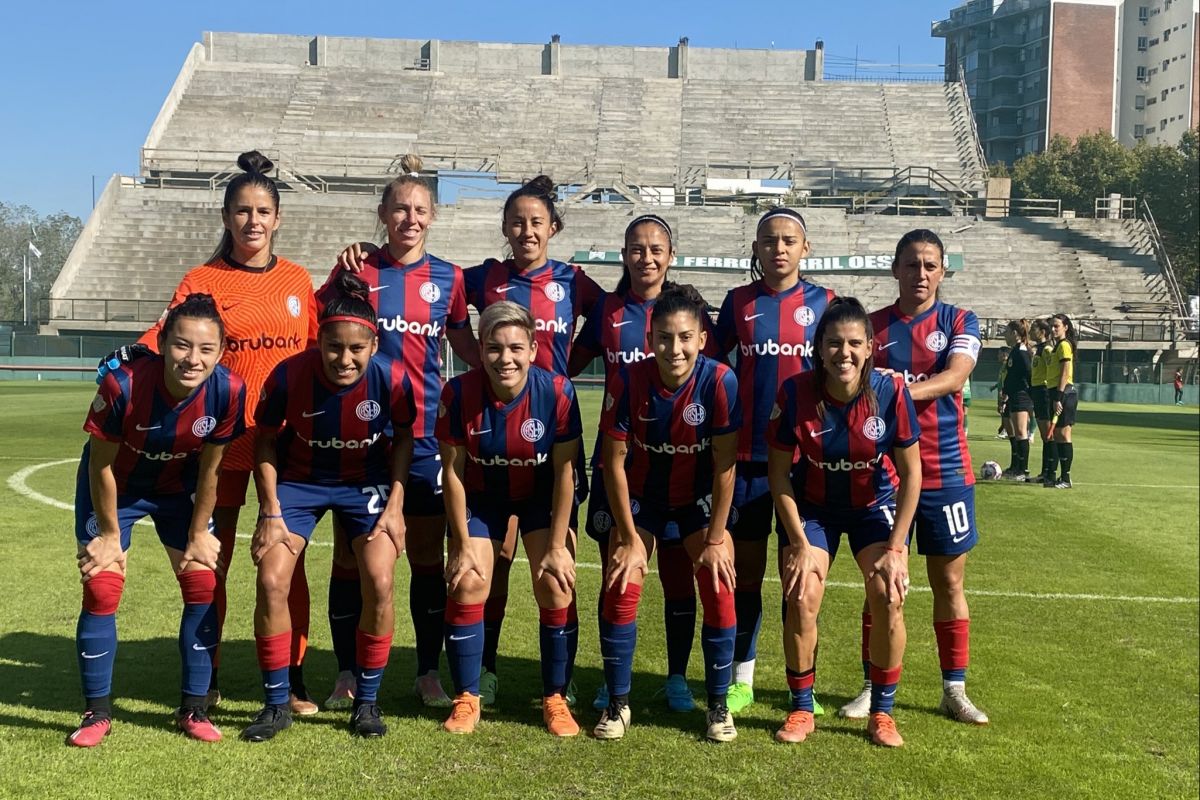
(970, 112)
(1164, 260)
(1123, 208)
(1106, 331)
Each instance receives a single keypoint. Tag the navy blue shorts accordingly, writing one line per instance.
(945, 521)
(752, 503)
(488, 519)
(423, 491)
(863, 526)
(658, 519)
(356, 507)
(600, 523)
(171, 513)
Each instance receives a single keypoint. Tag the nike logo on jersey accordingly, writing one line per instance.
(752, 316)
(819, 434)
(150, 428)
(311, 414)
(454, 638)
(625, 322)
(504, 289)
(373, 289)
(228, 306)
(479, 433)
(97, 655)
(201, 648)
(886, 346)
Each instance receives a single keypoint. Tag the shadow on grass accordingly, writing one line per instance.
(1163, 420)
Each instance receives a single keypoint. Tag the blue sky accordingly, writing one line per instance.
(82, 82)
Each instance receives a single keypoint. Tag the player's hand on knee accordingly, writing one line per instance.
(719, 561)
(392, 526)
(624, 564)
(560, 566)
(205, 550)
(268, 533)
(892, 569)
(99, 554)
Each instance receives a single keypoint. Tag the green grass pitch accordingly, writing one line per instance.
(1084, 653)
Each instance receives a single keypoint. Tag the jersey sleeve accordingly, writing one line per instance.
(232, 423)
(726, 330)
(186, 286)
(456, 311)
(272, 405)
(473, 281)
(587, 344)
(1064, 352)
(568, 425)
(614, 417)
(106, 416)
(908, 429)
(781, 427)
(726, 409)
(587, 293)
(449, 422)
(965, 336)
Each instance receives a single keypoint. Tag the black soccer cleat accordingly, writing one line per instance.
(367, 721)
(270, 721)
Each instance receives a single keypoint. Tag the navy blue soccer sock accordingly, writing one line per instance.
(345, 610)
(427, 603)
(96, 633)
(464, 644)
(197, 630)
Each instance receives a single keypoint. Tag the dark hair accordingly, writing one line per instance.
(353, 300)
(679, 297)
(1039, 325)
(1072, 336)
(846, 309)
(541, 188)
(1020, 327)
(919, 236)
(643, 219)
(410, 175)
(195, 306)
(255, 167)
(756, 271)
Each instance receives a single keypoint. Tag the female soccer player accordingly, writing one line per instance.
(509, 432)
(418, 299)
(158, 428)
(267, 304)
(334, 434)
(934, 346)
(670, 426)
(619, 328)
(1017, 399)
(1063, 399)
(770, 323)
(1039, 332)
(859, 472)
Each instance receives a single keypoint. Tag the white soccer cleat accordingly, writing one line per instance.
(612, 726)
(957, 706)
(859, 707)
(720, 725)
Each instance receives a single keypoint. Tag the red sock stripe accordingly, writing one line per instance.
(953, 642)
(493, 609)
(621, 609)
(341, 573)
(885, 677)
(198, 586)
(428, 569)
(274, 650)
(554, 617)
(675, 572)
(866, 636)
(718, 608)
(802, 681)
(463, 613)
(102, 594)
(371, 651)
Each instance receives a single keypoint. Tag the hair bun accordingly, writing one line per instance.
(542, 184)
(255, 162)
(350, 285)
(410, 164)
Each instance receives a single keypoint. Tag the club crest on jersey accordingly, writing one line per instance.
(92, 526)
(634, 506)
(293, 305)
(936, 342)
(429, 292)
(602, 522)
(204, 426)
(694, 414)
(367, 410)
(555, 291)
(532, 430)
(804, 316)
(874, 428)
(98, 403)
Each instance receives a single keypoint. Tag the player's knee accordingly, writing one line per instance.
(102, 593)
(620, 608)
(198, 586)
(274, 587)
(549, 593)
(470, 589)
(719, 611)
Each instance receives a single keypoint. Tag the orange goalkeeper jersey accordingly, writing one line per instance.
(268, 314)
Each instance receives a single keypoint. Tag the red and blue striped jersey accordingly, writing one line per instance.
(919, 348)
(845, 454)
(670, 433)
(772, 334)
(414, 305)
(555, 293)
(161, 437)
(509, 445)
(332, 434)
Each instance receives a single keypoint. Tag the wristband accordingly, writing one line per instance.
(899, 550)
(270, 516)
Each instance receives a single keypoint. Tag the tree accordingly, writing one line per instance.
(54, 235)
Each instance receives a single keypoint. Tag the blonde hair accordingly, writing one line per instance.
(410, 175)
(501, 315)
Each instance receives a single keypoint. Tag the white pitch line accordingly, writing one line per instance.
(18, 482)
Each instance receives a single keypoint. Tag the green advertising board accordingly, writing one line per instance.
(843, 263)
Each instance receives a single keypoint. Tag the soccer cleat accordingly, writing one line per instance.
(1065, 483)
(614, 722)
(301, 705)
(366, 721)
(342, 695)
(1001, 435)
(679, 695)
(601, 701)
(270, 721)
(489, 685)
(720, 725)
(796, 728)
(428, 687)
(195, 724)
(740, 697)
(859, 707)
(957, 706)
(557, 716)
(1049, 482)
(881, 729)
(91, 731)
(212, 699)
(464, 714)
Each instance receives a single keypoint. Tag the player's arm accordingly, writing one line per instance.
(716, 555)
(558, 560)
(624, 560)
(460, 561)
(892, 566)
(270, 529)
(798, 563)
(202, 547)
(948, 381)
(463, 343)
(354, 257)
(391, 520)
(104, 550)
